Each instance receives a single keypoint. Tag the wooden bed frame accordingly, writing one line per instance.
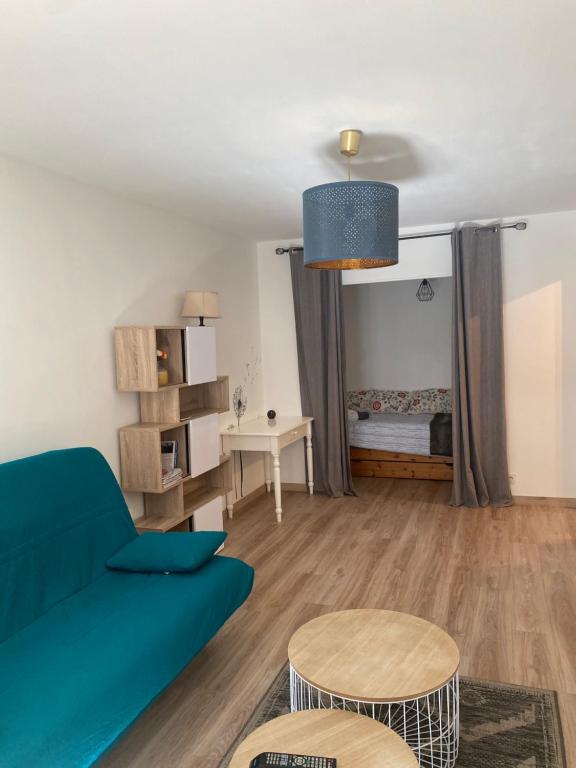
(367, 462)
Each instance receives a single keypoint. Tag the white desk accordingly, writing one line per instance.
(259, 435)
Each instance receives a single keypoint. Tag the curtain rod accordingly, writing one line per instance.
(520, 225)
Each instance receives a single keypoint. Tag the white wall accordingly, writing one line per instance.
(281, 387)
(75, 262)
(418, 258)
(540, 332)
(539, 266)
(394, 341)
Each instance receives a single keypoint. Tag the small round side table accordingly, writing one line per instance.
(394, 667)
(354, 740)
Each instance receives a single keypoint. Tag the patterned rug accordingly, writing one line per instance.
(501, 726)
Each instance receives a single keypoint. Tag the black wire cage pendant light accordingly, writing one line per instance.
(351, 224)
(424, 292)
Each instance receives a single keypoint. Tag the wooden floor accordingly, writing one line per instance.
(502, 582)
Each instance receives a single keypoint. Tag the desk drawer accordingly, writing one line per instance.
(294, 434)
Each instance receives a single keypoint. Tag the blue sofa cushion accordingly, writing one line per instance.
(75, 679)
(167, 552)
(62, 516)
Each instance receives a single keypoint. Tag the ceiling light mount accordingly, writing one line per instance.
(350, 142)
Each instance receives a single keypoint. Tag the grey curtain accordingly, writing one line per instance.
(479, 417)
(321, 361)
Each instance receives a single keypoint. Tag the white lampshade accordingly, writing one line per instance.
(200, 304)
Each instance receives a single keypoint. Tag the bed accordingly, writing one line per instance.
(401, 434)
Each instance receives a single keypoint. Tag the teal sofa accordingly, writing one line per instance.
(83, 649)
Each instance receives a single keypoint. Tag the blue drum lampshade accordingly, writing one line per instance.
(351, 225)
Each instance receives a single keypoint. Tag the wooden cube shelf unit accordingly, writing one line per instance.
(141, 450)
(175, 509)
(198, 491)
(136, 361)
(186, 402)
(141, 455)
(185, 409)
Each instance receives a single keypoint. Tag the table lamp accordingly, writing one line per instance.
(200, 304)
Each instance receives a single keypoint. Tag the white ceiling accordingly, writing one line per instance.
(227, 110)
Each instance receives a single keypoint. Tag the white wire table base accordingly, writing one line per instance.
(428, 724)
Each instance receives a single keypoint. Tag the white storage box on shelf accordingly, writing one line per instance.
(203, 444)
(200, 353)
(209, 517)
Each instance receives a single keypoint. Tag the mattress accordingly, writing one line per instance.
(400, 432)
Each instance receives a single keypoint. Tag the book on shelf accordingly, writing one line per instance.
(169, 454)
(171, 475)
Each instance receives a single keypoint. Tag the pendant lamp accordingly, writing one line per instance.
(425, 291)
(351, 224)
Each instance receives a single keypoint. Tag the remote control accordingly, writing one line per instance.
(284, 760)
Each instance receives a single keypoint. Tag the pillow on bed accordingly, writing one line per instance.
(379, 400)
(434, 400)
(357, 400)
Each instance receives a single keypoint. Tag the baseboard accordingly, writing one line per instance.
(546, 501)
(250, 498)
(254, 495)
(295, 487)
(536, 501)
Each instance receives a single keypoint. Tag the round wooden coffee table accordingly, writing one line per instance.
(354, 740)
(395, 668)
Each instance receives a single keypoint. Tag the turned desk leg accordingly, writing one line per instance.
(267, 472)
(230, 505)
(277, 486)
(310, 461)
